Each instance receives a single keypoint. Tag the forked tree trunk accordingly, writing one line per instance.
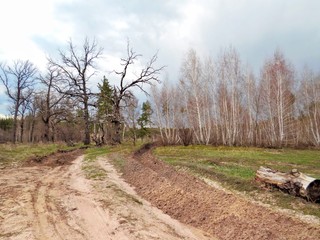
(294, 182)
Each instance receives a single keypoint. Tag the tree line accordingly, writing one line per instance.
(218, 101)
(221, 102)
(59, 105)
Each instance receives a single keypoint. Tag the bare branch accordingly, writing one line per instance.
(122, 93)
(18, 80)
(75, 67)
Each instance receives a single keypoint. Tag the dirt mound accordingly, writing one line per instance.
(222, 214)
(145, 148)
(61, 157)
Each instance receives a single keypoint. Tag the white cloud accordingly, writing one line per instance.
(21, 21)
(119, 24)
(33, 28)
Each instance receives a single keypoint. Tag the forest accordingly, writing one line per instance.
(217, 100)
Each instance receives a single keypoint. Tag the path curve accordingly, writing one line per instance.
(45, 202)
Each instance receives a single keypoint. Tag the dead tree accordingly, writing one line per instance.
(51, 103)
(147, 75)
(294, 182)
(76, 69)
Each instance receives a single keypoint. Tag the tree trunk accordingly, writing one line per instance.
(117, 124)
(294, 182)
(53, 136)
(31, 138)
(15, 126)
(46, 130)
(117, 134)
(86, 140)
(21, 129)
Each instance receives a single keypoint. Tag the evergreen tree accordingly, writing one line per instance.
(105, 99)
(6, 123)
(104, 112)
(145, 119)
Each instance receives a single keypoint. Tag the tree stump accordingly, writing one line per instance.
(294, 182)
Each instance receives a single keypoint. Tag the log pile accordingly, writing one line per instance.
(294, 182)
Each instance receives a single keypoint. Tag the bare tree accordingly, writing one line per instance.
(76, 70)
(229, 99)
(123, 91)
(166, 107)
(32, 112)
(277, 82)
(18, 81)
(131, 115)
(309, 98)
(220, 102)
(249, 129)
(23, 111)
(197, 103)
(50, 101)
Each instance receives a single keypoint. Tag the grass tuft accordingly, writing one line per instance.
(90, 167)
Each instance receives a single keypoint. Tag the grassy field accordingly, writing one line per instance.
(235, 167)
(16, 154)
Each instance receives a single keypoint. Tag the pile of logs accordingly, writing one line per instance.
(294, 182)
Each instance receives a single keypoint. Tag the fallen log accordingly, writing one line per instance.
(294, 182)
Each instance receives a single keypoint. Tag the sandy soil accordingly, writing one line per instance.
(53, 200)
(223, 214)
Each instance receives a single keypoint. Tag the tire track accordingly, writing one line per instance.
(51, 217)
(53, 203)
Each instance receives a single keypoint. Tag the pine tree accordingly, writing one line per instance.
(104, 112)
(105, 99)
(145, 119)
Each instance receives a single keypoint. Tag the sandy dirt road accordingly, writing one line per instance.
(58, 202)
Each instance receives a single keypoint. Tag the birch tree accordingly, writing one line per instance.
(18, 80)
(170, 113)
(230, 78)
(196, 99)
(310, 109)
(251, 108)
(277, 80)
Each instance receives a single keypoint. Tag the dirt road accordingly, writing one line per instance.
(54, 200)
(58, 202)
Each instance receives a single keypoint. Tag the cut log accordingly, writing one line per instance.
(294, 182)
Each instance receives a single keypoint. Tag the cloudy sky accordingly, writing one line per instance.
(35, 29)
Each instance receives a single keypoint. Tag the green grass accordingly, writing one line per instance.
(235, 168)
(16, 154)
(90, 167)
(243, 161)
(116, 154)
(91, 154)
